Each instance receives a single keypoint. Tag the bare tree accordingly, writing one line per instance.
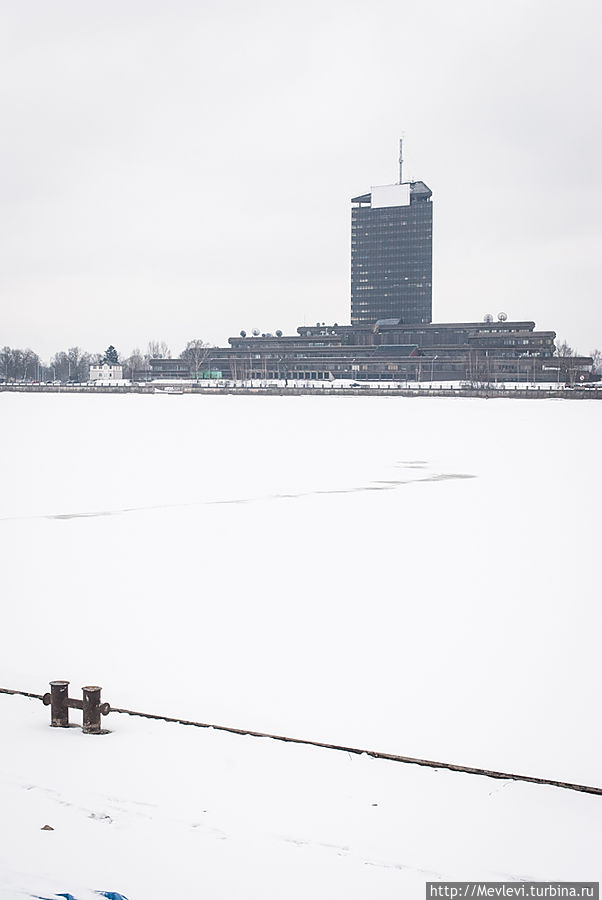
(6, 356)
(80, 364)
(19, 365)
(564, 349)
(158, 350)
(31, 365)
(197, 354)
(60, 366)
(135, 362)
(596, 356)
(478, 369)
(72, 365)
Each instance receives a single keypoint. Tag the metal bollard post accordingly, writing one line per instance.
(92, 709)
(59, 704)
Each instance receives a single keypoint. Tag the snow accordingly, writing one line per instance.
(416, 576)
(156, 810)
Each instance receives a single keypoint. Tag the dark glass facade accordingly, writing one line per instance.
(392, 260)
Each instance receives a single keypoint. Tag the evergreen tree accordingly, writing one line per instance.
(111, 356)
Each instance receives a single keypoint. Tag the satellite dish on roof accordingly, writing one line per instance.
(488, 318)
(256, 332)
(243, 333)
(278, 333)
(502, 316)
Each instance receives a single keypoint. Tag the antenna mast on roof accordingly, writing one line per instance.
(400, 160)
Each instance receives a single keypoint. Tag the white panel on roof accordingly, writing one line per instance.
(390, 195)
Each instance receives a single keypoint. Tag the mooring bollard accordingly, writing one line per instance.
(58, 700)
(93, 709)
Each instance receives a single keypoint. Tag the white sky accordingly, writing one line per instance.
(181, 170)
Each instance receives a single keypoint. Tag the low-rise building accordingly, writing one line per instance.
(479, 352)
(106, 372)
(388, 350)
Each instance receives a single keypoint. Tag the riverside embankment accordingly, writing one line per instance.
(531, 392)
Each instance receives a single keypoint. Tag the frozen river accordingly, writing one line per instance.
(415, 576)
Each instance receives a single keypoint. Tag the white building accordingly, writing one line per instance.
(106, 372)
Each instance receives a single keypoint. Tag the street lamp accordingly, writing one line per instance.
(432, 365)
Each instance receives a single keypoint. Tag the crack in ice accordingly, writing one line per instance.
(379, 485)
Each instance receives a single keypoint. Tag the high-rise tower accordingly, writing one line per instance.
(392, 253)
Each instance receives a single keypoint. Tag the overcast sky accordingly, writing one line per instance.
(174, 170)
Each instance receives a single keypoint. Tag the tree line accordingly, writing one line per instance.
(74, 364)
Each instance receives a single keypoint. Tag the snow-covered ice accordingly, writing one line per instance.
(416, 576)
